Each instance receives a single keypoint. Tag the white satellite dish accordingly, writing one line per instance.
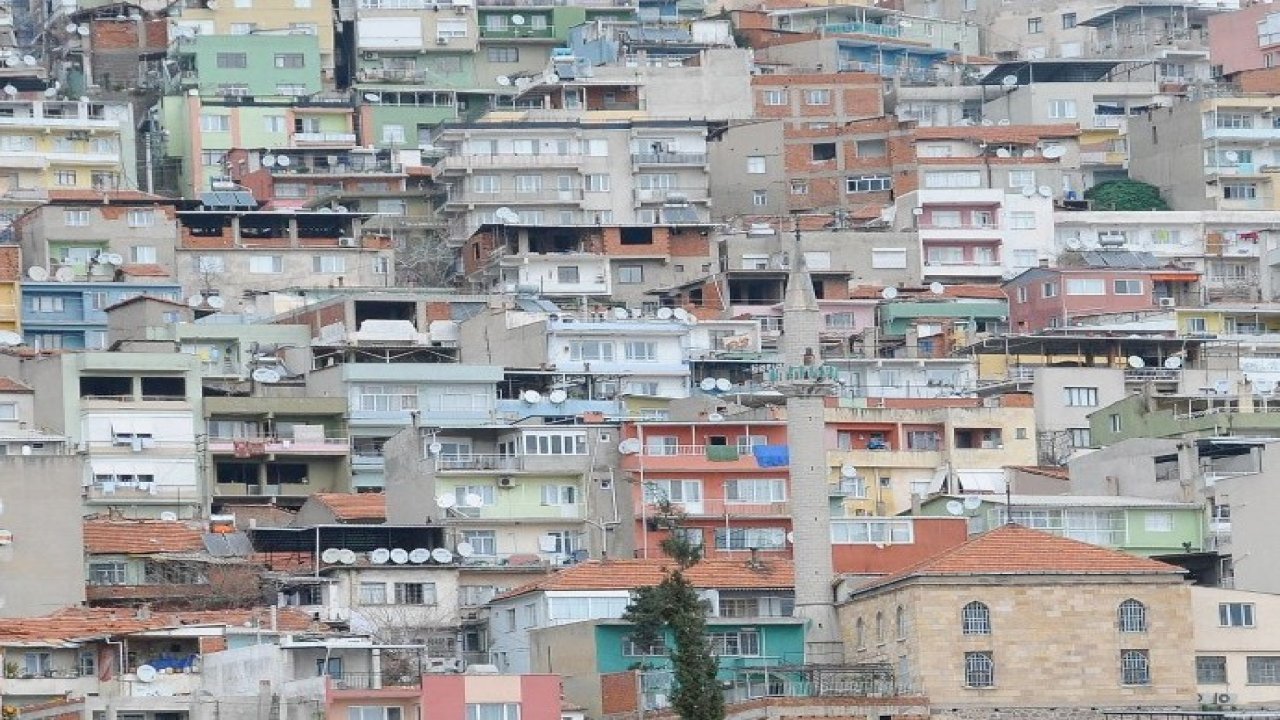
(723, 384)
(446, 501)
(630, 446)
(1170, 363)
(72, 27)
(889, 293)
(330, 555)
(269, 160)
(503, 80)
(1231, 156)
(37, 273)
(506, 215)
(681, 314)
(1045, 191)
(517, 19)
(284, 161)
(620, 313)
(791, 538)
(847, 470)
(473, 500)
(435, 448)
(11, 61)
(955, 507)
(217, 302)
(1009, 80)
(665, 313)
(380, 556)
(708, 384)
(442, 555)
(50, 92)
(399, 556)
(83, 31)
(10, 90)
(465, 549)
(29, 60)
(64, 274)
(146, 673)
(551, 78)
(1028, 190)
(1074, 243)
(417, 556)
(114, 258)
(9, 338)
(986, 123)
(195, 301)
(972, 502)
(266, 375)
(533, 397)
(558, 396)
(937, 288)
(715, 417)
(1137, 362)
(169, 516)
(1028, 153)
(347, 556)
(1054, 152)
(1003, 153)
(1002, 122)
(373, 97)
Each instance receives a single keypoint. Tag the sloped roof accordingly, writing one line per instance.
(107, 195)
(999, 134)
(144, 270)
(349, 507)
(9, 385)
(81, 624)
(140, 537)
(1016, 550)
(972, 292)
(1056, 473)
(630, 574)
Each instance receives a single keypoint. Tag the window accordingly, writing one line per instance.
(373, 593)
(1080, 437)
(528, 183)
(373, 712)
(597, 183)
(879, 628)
(1022, 221)
(1128, 287)
(47, 304)
(799, 187)
(881, 531)
(774, 97)
(393, 134)
(1158, 521)
(215, 123)
(290, 60)
(735, 644)
(1068, 20)
(273, 123)
(755, 165)
(75, 218)
(1062, 109)
(1117, 424)
(483, 542)
(1235, 615)
(205, 264)
(591, 350)
(1233, 121)
(1080, 396)
(415, 593)
(491, 711)
(8, 411)
(1263, 670)
(820, 96)
(503, 54)
(451, 28)
(1035, 25)
(17, 143)
(386, 398)
(232, 60)
(328, 263)
(764, 538)
(868, 183)
(979, 670)
(759, 198)
(242, 28)
(1239, 191)
(140, 217)
(1211, 670)
(640, 351)
(65, 177)
(888, 259)
(1197, 325)
(559, 495)
(822, 152)
(266, 264)
(1135, 667)
(567, 275)
(953, 179)
(1132, 616)
(757, 491)
(630, 274)
(546, 443)
(1086, 286)
(630, 648)
(975, 619)
(107, 573)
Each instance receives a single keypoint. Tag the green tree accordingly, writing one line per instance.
(1125, 195)
(674, 604)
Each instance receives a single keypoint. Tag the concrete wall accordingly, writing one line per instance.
(570, 650)
(1052, 411)
(732, 188)
(43, 567)
(1165, 149)
(1126, 468)
(1253, 526)
(1235, 644)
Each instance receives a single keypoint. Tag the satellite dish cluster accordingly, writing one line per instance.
(398, 556)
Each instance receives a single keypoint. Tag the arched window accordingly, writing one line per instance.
(976, 619)
(1132, 616)
(979, 669)
(879, 627)
(901, 622)
(860, 634)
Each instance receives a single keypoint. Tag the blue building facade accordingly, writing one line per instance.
(72, 315)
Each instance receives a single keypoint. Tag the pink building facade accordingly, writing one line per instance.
(452, 697)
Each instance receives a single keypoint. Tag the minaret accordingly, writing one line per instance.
(805, 387)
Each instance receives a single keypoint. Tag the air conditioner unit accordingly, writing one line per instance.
(348, 242)
(506, 482)
(442, 40)
(460, 9)
(1168, 302)
(367, 55)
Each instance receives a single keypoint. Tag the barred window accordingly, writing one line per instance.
(1135, 667)
(979, 670)
(976, 619)
(1133, 616)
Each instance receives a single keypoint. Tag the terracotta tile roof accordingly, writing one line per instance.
(1017, 550)
(629, 574)
(140, 298)
(352, 507)
(80, 624)
(9, 385)
(1056, 473)
(261, 515)
(100, 195)
(971, 292)
(1003, 134)
(140, 537)
(144, 270)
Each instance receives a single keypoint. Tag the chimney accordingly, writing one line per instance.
(754, 563)
(142, 612)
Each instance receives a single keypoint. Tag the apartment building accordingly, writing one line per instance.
(1234, 658)
(84, 230)
(43, 511)
(1241, 40)
(1209, 154)
(10, 288)
(249, 65)
(888, 55)
(293, 24)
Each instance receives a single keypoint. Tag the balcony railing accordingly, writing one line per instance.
(1152, 374)
(861, 28)
(960, 226)
(518, 32)
(250, 447)
(717, 507)
(1108, 121)
(550, 196)
(691, 194)
(464, 162)
(669, 158)
(392, 75)
(340, 169)
(324, 138)
(375, 681)
(447, 463)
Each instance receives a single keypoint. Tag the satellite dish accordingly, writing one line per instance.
(665, 313)
(1003, 153)
(1231, 156)
(630, 446)
(342, 209)
(506, 215)
(83, 31)
(269, 160)
(1009, 80)
(1028, 190)
(146, 673)
(465, 549)
(791, 538)
(972, 502)
(723, 384)
(330, 555)
(50, 92)
(715, 417)
(1045, 191)
(445, 502)
(533, 397)
(620, 313)
(380, 556)
(442, 555)
(1137, 362)
(848, 471)
(558, 396)
(114, 258)
(1002, 122)
(399, 556)
(955, 507)
(9, 339)
(681, 314)
(266, 375)
(1074, 243)
(987, 123)
(503, 80)
(708, 384)
(29, 60)
(373, 97)
(419, 555)
(10, 90)
(346, 556)
(11, 61)
(217, 302)
(889, 293)
(64, 274)
(517, 19)
(1054, 152)
(1028, 153)
(937, 288)
(195, 301)
(37, 273)
(1170, 363)
(169, 516)
(72, 27)
(435, 448)
(472, 500)
(284, 161)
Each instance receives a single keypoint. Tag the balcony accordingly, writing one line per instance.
(716, 507)
(79, 158)
(1152, 374)
(375, 168)
(518, 32)
(863, 459)
(861, 28)
(572, 196)
(392, 75)
(668, 158)
(140, 492)
(261, 446)
(515, 162)
(673, 194)
(1099, 157)
(1246, 133)
(515, 510)
(300, 139)
(375, 681)
(909, 74)
(1108, 121)
(965, 269)
(51, 683)
(473, 462)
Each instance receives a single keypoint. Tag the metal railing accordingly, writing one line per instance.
(374, 681)
(471, 461)
(719, 507)
(517, 32)
(669, 158)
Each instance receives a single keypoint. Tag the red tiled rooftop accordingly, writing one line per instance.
(144, 270)
(629, 574)
(77, 624)
(1002, 134)
(351, 507)
(107, 195)
(138, 537)
(9, 385)
(1056, 473)
(1017, 550)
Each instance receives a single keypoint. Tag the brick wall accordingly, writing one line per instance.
(618, 693)
(10, 263)
(660, 245)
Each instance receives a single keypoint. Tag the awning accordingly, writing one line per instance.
(1175, 276)
(980, 481)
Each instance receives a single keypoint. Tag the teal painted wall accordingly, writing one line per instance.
(895, 318)
(777, 643)
(260, 73)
